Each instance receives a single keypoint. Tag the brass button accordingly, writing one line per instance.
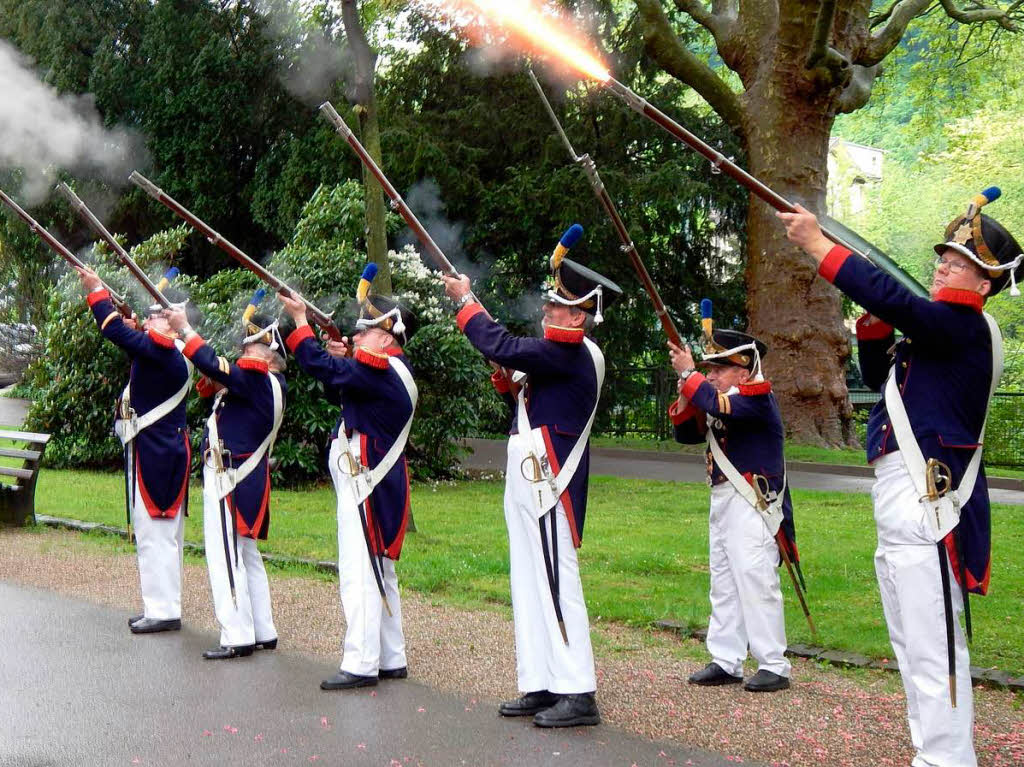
(904, 364)
(885, 427)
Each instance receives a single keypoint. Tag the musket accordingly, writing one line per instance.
(319, 317)
(722, 164)
(97, 226)
(586, 162)
(55, 245)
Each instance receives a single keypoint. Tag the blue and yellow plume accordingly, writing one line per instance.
(571, 237)
(365, 281)
(167, 279)
(979, 201)
(254, 302)
(706, 323)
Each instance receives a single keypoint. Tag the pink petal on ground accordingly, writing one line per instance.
(207, 733)
(362, 746)
(136, 761)
(373, 693)
(323, 722)
(258, 737)
(421, 709)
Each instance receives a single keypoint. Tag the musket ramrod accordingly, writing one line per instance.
(55, 245)
(590, 168)
(319, 317)
(97, 226)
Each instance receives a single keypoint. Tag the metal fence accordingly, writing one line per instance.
(637, 400)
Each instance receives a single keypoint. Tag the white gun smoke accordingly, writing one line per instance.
(44, 131)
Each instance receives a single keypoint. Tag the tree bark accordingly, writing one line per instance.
(363, 95)
(795, 312)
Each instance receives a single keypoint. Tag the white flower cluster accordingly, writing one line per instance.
(420, 285)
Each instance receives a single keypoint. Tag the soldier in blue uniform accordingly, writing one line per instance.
(248, 406)
(546, 484)
(150, 422)
(377, 394)
(751, 516)
(924, 441)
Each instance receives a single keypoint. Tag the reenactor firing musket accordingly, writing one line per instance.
(321, 318)
(590, 168)
(55, 245)
(97, 226)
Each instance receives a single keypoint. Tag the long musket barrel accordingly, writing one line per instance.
(60, 250)
(435, 252)
(590, 168)
(320, 318)
(723, 164)
(97, 226)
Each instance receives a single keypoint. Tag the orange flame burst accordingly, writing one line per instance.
(539, 29)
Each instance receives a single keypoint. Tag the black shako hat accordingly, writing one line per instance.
(733, 347)
(986, 243)
(573, 284)
(382, 312)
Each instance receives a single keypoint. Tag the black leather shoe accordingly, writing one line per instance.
(226, 653)
(713, 675)
(393, 673)
(528, 704)
(570, 711)
(135, 619)
(152, 625)
(270, 644)
(346, 681)
(766, 681)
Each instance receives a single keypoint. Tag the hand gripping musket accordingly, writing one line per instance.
(586, 162)
(321, 318)
(119, 303)
(938, 482)
(97, 226)
(397, 203)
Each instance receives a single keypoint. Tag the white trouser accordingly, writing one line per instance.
(158, 544)
(373, 640)
(543, 660)
(250, 620)
(910, 582)
(746, 599)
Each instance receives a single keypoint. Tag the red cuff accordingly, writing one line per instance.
(96, 296)
(830, 265)
(192, 345)
(692, 384)
(876, 331)
(679, 415)
(500, 382)
(466, 313)
(205, 387)
(297, 336)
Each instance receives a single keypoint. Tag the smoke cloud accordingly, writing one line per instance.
(44, 131)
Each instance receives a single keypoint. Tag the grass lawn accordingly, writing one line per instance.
(644, 555)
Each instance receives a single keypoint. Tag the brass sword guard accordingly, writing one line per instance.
(537, 474)
(761, 490)
(938, 479)
(347, 464)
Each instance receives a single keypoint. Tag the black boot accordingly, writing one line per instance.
(570, 711)
(394, 673)
(270, 644)
(226, 653)
(766, 681)
(135, 619)
(529, 704)
(713, 675)
(152, 625)
(346, 681)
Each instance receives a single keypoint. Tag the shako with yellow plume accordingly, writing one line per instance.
(573, 284)
(730, 347)
(260, 328)
(381, 312)
(986, 242)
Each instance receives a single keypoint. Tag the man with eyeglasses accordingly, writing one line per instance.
(924, 440)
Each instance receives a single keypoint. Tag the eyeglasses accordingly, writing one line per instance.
(956, 267)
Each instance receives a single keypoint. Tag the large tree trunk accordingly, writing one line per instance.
(797, 314)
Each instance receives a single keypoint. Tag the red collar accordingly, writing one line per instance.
(753, 389)
(160, 339)
(394, 351)
(563, 335)
(961, 297)
(253, 363)
(378, 360)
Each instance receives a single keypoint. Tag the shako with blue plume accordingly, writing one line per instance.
(573, 284)
(729, 347)
(382, 312)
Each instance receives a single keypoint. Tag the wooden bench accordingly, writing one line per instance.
(17, 500)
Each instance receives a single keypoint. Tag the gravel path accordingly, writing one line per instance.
(830, 717)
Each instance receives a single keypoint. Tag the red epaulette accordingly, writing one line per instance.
(753, 389)
(563, 335)
(254, 364)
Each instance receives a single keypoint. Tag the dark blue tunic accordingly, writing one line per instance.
(944, 370)
(158, 371)
(375, 403)
(244, 420)
(561, 392)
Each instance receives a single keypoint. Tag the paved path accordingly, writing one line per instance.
(13, 411)
(76, 688)
(489, 454)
